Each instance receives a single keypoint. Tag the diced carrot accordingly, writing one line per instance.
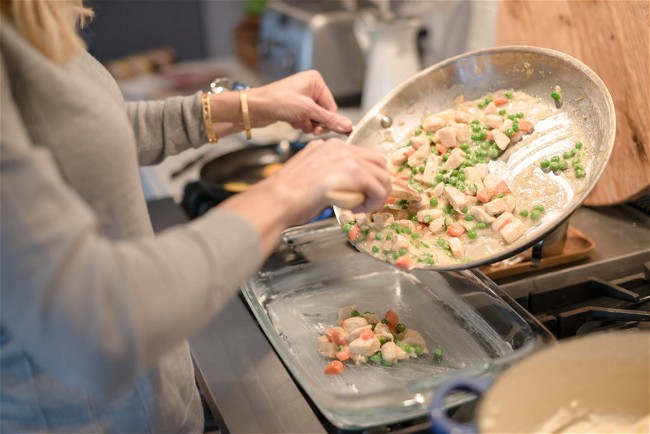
(333, 368)
(526, 126)
(344, 354)
(366, 334)
(490, 136)
(455, 230)
(354, 233)
(441, 148)
(409, 152)
(404, 262)
(485, 195)
(502, 188)
(392, 319)
(390, 200)
(500, 100)
(404, 175)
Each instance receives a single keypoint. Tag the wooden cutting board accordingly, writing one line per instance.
(611, 37)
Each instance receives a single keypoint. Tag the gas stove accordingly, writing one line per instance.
(608, 290)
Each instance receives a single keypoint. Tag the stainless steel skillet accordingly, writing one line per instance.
(586, 114)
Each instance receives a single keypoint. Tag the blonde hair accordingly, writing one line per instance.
(49, 25)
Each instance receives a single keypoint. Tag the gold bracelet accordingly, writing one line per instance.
(207, 118)
(245, 114)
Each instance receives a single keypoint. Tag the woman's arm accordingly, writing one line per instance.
(166, 127)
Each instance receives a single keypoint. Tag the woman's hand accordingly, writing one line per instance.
(298, 191)
(302, 100)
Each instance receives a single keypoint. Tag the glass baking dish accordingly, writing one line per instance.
(296, 296)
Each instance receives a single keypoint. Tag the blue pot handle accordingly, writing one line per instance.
(440, 423)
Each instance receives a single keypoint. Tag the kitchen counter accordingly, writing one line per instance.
(248, 388)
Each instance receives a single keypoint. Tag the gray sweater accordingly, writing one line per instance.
(95, 309)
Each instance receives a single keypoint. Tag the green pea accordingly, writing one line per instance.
(375, 249)
(523, 213)
(544, 164)
(580, 173)
(375, 358)
(471, 234)
(378, 236)
(508, 94)
(510, 132)
(427, 219)
(557, 96)
(578, 166)
(417, 132)
(355, 313)
(493, 153)
(555, 158)
(417, 349)
(567, 155)
(539, 208)
(481, 225)
(535, 215)
(400, 327)
(520, 115)
(437, 354)
(563, 165)
(554, 166)
(578, 145)
(348, 226)
(433, 201)
(502, 112)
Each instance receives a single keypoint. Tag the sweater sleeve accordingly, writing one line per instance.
(95, 312)
(166, 127)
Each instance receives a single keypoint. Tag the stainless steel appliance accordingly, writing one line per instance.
(297, 35)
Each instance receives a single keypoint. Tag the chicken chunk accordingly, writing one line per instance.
(500, 205)
(437, 225)
(382, 219)
(428, 215)
(353, 323)
(493, 121)
(364, 347)
(512, 230)
(473, 178)
(463, 133)
(456, 158)
(382, 331)
(456, 198)
(420, 156)
(418, 141)
(412, 337)
(438, 120)
(390, 352)
(430, 169)
(501, 139)
(480, 215)
(501, 221)
(325, 346)
(457, 248)
(447, 137)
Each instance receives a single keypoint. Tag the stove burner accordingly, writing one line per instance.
(593, 304)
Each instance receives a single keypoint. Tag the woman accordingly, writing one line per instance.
(95, 308)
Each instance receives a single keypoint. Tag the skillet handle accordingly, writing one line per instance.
(345, 199)
(440, 422)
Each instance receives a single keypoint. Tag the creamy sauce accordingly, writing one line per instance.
(576, 420)
(472, 180)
